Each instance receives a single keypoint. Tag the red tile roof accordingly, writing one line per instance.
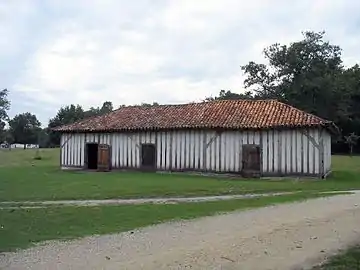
(227, 114)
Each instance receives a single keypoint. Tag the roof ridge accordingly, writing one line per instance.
(195, 103)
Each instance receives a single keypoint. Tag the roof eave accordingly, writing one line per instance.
(328, 125)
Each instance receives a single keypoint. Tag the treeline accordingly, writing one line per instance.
(308, 74)
(25, 128)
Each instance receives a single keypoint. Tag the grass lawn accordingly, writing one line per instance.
(22, 227)
(349, 259)
(23, 178)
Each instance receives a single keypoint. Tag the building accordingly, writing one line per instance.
(261, 137)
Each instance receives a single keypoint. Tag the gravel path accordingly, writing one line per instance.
(287, 236)
(168, 200)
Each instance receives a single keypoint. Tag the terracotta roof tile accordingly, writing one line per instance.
(229, 114)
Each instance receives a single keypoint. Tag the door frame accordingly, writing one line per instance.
(86, 155)
(144, 167)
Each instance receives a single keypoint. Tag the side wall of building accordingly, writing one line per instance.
(296, 152)
(285, 152)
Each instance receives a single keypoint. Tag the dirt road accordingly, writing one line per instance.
(289, 236)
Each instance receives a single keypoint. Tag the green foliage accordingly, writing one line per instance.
(309, 75)
(149, 104)
(42, 179)
(24, 128)
(73, 113)
(224, 95)
(106, 108)
(349, 259)
(351, 140)
(4, 107)
(65, 115)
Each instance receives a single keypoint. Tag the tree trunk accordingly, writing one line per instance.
(351, 150)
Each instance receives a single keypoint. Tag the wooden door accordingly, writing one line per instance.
(104, 160)
(148, 156)
(251, 160)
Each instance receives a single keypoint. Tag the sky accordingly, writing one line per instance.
(59, 52)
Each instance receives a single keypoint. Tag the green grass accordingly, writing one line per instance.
(349, 259)
(23, 178)
(21, 228)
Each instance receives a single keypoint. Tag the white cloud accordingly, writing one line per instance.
(166, 51)
(11, 28)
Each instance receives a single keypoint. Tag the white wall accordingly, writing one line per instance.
(283, 152)
(292, 152)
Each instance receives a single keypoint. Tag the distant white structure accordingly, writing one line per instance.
(22, 146)
(4, 145)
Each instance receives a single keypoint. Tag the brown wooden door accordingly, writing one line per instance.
(251, 159)
(104, 160)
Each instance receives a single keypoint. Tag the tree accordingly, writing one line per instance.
(106, 107)
(149, 104)
(223, 95)
(92, 112)
(71, 114)
(303, 74)
(65, 115)
(351, 140)
(24, 128)
(4, 107)
(309, 75)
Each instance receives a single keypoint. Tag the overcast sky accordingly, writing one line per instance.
(58, 52)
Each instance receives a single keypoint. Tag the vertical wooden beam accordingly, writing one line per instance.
(85, 151)
(321, 153)
(67, 151)
(219, 154)
(61, 138)
(80, 149)
(302, 153)
(156, 150)
(308, 155)
(170, 151)
(261, 152)
(273, 150)
(291, 134)
(204, 150)
(280, 149)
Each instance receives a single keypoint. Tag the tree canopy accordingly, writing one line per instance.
(227, 94)
(72, 113)
(308, 74)
(4, 107)
(24, 128)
